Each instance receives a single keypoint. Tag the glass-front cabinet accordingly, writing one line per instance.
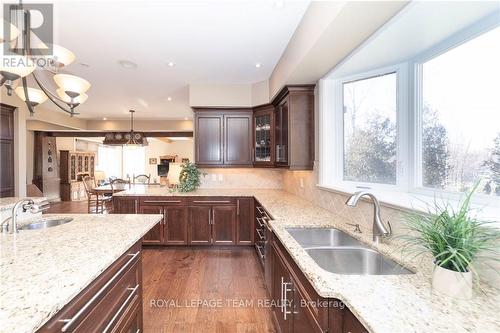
(264, 136)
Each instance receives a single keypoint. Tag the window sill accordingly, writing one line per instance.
(408, 202)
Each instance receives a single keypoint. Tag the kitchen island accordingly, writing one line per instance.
(381, 303)
(56, 271)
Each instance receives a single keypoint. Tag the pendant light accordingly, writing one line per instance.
(133, 139)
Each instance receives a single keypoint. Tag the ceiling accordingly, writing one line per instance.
(416, 29)
(209, 42)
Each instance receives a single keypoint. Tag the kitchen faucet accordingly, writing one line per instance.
(379, 229)
(26, 204)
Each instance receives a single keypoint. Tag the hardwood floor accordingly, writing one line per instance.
(227, 281)
(204, 290)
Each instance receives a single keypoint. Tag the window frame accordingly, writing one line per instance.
(401, 126)
(408, 121)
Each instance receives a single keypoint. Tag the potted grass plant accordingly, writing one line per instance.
(456, 240)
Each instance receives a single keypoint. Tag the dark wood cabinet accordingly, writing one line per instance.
(238, 139)
(6, 150)
(351, 324)
(125, 205)
(294, 127)
(223, 137)
(282, 294)
(200, 225)
(175, 225)
(111, 303)
(245, 221)
(263, 135)
(224, 225)
(209, 138)
(155, 235)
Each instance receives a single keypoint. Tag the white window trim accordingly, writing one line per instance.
(408, 187)
(401, 71)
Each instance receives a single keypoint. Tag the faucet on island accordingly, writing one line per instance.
(26, 204)
(379, 229)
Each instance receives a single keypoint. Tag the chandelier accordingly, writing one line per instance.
(20, 63)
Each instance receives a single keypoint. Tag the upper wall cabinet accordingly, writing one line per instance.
(223, 137)
(294, 127)
(278, 134)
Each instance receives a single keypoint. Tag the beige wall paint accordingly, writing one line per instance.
(260, 93)
(157, 148)
(328, 32)
(140, 125)
(220, 95)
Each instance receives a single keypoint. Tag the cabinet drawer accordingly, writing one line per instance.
(102, 304)
(210, 201)
(163, 201)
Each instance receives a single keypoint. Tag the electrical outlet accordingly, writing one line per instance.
(301, 182)
(213, 177)
(221, 177)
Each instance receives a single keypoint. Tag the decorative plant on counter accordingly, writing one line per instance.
(189, 178)
(456, 240)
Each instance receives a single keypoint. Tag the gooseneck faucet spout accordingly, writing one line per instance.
(379, 229)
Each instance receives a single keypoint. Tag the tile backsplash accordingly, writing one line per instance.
(242, 178)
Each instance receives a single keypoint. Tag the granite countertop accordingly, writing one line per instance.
(43, 270)
(9, 202)
(383, 303)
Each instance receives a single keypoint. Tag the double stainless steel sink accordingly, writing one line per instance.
(337, 252)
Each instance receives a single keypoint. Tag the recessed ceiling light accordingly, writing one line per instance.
(171, 64)
(169, 98)
(127, 64)
(258, 65)
(104, 118)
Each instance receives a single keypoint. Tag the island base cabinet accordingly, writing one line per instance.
(111, 303)
(200, 225)
(155, 235)
(175, 225)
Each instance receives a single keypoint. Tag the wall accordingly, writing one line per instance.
(242, 178)
(140, 125)
(220, 95)
(157, 148)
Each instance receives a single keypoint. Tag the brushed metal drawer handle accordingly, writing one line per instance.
(122, 307)
(260, 209)
(70, 322)
(260, 252)
(162, 202)
(211, 201)
(259, 221)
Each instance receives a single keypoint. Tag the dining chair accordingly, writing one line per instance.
(142, 179)
(96, 202)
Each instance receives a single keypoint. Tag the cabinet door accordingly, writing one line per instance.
(281, 294)
(155, 235)
(282, 133)
(200, 227)
(351, 324)
(303, 319)
(124, 205)
(175, 228)
(208, 140)
(238, 139)
(245, 221)
(264, 142)
(224, 225)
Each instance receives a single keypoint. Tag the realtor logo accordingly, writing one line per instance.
(41, 28)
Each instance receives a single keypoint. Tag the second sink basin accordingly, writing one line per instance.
(337, 252)
(45, 223)
(360, 261)
(316, 237)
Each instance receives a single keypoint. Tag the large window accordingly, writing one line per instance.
(121, 162)
(369, 107)
(429, 125)
(461, 117)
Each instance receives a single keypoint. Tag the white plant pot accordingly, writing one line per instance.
(451, 283)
